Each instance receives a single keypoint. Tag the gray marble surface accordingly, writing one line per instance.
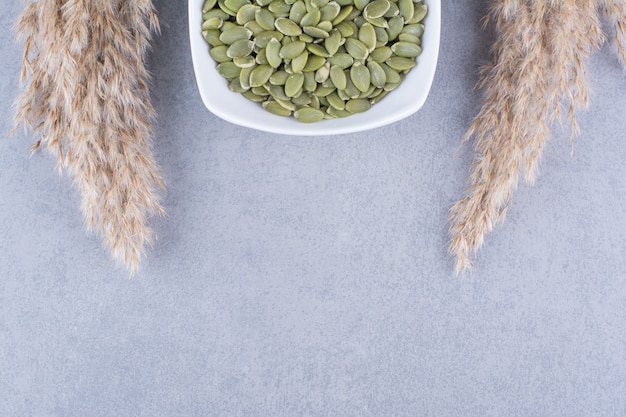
(308, 276)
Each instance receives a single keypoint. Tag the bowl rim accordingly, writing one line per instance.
(425, 70)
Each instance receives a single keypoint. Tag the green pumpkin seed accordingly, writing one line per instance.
(301, 100)
(314, 102)
(360, 4)
(406, 50)
(399, 63)
(228, 70)
(260, 91)
(254, 27)
(396, 24)
(416, 29)
(240, 48)
(360, 76)
(215, 13)
(235, 5)
(314, 63)
(318, 4)
(263, 39)
(322, 91)
(421, 10)
(407, 37)
(212, 23)
(381, 54)
(279, 7)
(407, 9)
(312, 18)
(228, 25)
(367, 35)
(265, 19)
(343, 13)
(288, 27)
(297, 11)
(263, 3)
(231, 35)
(261, 57)
(235, 86)
(315, 32)
(382, 38)
(208, 5)
(222, 6)
(343, 95)
(356, 48)
(358, 105)
(333, 42)
(378, 76)
(309, 82)
(330, 11)
(292, 50)
(368, 92)
(244, 77)
(393, 11)
(375, 9)
(246, 13)
(351, 89)
(322, 73)
(279, 77)
(338, 113)
(294, 84)
(278, 93)
(343, 3)
(379, 97)
(380, 22)
(391, 86)
(309, 115)
(342, 60)
(260, 75)
(325, 25)
(392, 75)
(318, 50)
(286, 103)
(338, 77)
(253, 97)
(335, 101)
(212, 36)
(299, 62)
(275, 108)
(272, 53)
(245, 62)
(345, 29)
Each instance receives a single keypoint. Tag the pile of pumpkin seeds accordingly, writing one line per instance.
(314, 59)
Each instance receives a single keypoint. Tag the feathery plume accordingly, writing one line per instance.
(86, 95)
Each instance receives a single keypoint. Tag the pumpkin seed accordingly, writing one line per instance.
(338, 77)
(382, 38)
(299, 62)
(294, 84)
(263, 3)
(273, 107)
(360, 4)
(288, 27)
(342, 60)
(338, 113)
(212, 36)
(421, 10)
(297, 11)
(254, 27)
(407, 9)
(244, 77)
(302, 99)
(345, 11)
(260, 91)
(263, 39)
(212, 23)
(279, 77)
(416, 29)
(235, 86)
(393, 11)
(228, 70)
(208, 5)
(292, 50)
(396, 24)
(286, 103)
(272, 53)
(253, 97)
(246, 13)
(330, 11)
(407, 37)
(279, 7)
(392, 75)
(335, 101)
(245, 62)
(309, 81)
(325, 25)
(333, 42)
(381, 54)
(379, 97)
(261, 57)
(322, 73)
(406, 50)
(345, 29)
(240, 48)
(377, 74)
(222, 6)
(367, 35)
(318, 50)
(215, 13)
(400, 63)
(278, 92)
(260, 75)
(358, 105)
(231, 35)
(314, 63)
(380, 22)
(360, 76)
(318, 4)
(235, 5)
(356, 48)
(322, 91)
(377, 8)
(315, 32)
(308, 115)
(265, 19)
(312, 18)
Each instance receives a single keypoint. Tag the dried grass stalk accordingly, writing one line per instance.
(537, 75)
(86, 96)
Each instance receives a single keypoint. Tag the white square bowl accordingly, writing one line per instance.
(405, 100)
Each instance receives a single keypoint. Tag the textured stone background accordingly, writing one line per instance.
(309, 277)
